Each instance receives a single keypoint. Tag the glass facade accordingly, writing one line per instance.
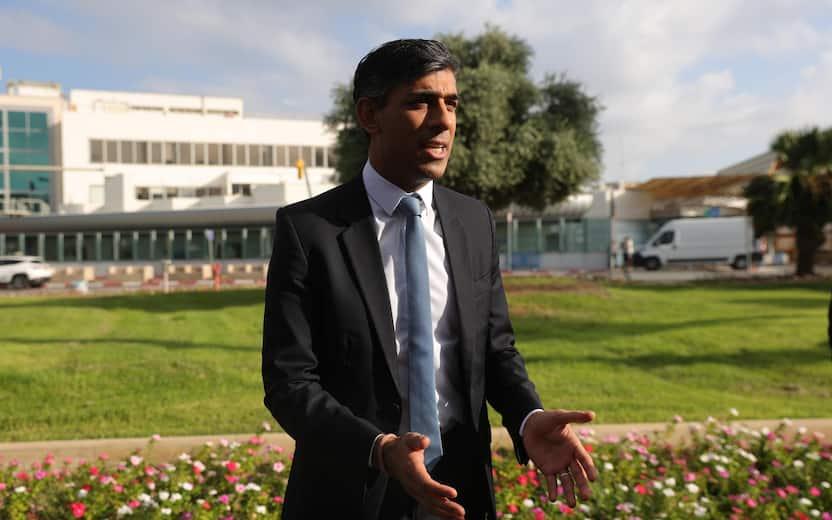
(24, 141)
(238, 243)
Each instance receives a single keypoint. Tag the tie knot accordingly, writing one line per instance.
(411, 205)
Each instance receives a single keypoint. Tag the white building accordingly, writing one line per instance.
(123, 152)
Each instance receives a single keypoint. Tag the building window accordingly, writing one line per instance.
(267, 157)
(213, 154)
(254, 156)
(281, 155)
(96, 151)
(308, 156)
(227, 154)
(319, 156)
(240, 155)
(171, 192)
(141, 152)
(199, 153)
(294, 155)
(184, 153)
(142, 193)
(331, 158)
(156, 153)
(241, 189)
(127, 152)
(112, 152)
(170, 153)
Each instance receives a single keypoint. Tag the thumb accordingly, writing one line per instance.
(558, 417)
(416, 441)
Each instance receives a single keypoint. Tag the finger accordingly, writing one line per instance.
(446, 509)
(552, 486)
(585, 460)
(568, 489)
(568, 416)
(580, 479)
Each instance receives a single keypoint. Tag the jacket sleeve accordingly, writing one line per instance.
(294, 393)
(508, 387)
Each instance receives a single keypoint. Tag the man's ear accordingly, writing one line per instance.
(367, 112)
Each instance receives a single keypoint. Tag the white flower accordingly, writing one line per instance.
(212, 492)
(585, 509)
(608, 466)
(165, 511)
(260, 510)
(692, 488)
(733, 411)
(705, 500)
(814, 512)
(764, 430)
(657, 484)
(252, 486)
(164, 495)
(623, 488)
(813, 456)
(187, 486)
(699, 511)
(200, 467)
(785, 421)
(20, 489)
(669, 492)
(802, 430)
(798, 464)
(124, 511)
(528, 503)
(184, 457)
(670, 482)
(82, 493)
(825, 484)
(805, 501)
(176, 497)
(135, 460)
(267, 426)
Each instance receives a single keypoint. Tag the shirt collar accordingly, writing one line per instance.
(387, 195)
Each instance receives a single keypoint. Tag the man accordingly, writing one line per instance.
(386, 326)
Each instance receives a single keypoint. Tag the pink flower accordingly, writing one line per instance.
(538, 514)
(792, 490)
(155, 437)
(135, 460)
(724, 474)
(40, 474)
(278, 500)
(752, 482)
(640, 489)
(134, 504)
(815, 492)
(781, 493)
(777, 464)
(78, 509)
(826, 516)
(239, 488)
(278, 467)
(2, 486)
(224, 499)
(512, 508)
(231, 465)
(750, 502)
(566, 509)
(232, 478)
(118, 489)
(690, 477)
(523, 480)
(256, 440)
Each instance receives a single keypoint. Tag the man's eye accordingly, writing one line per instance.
(452, 105)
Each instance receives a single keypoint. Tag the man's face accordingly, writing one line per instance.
(413, 135)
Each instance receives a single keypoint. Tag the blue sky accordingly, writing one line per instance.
(689, 86)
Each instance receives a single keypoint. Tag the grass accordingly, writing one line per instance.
(189, 363)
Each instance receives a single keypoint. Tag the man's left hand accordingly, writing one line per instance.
(558, 453)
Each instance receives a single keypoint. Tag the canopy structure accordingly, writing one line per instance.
(665, 188)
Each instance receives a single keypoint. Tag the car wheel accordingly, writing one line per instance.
(19, 281)
(652, 264)
(740, 263)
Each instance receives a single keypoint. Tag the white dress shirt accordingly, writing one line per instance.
(384, 198)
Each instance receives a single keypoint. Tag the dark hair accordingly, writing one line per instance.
(398, 62)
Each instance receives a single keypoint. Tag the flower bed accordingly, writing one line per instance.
(723, 472)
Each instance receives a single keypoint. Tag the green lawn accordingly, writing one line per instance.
(188, 363)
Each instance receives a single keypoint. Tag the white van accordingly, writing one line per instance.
(687, 240)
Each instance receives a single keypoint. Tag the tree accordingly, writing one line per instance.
(516, 141)
(799, 194)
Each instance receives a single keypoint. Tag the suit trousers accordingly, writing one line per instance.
(461, 466)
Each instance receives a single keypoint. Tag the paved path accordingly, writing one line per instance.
(168, 448)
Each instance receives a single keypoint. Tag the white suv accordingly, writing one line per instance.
(19, 272)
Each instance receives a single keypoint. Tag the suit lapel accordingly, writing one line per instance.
(456, 247)
(361, 249)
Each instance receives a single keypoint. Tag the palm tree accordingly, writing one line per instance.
(798, 194)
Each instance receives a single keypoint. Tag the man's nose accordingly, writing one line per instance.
(441, 117)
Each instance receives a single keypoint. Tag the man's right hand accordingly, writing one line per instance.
(404, 459)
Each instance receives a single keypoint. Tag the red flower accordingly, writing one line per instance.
(93, 470)
(78, 509)
(589, 448)
(641, 489)
(231, 465)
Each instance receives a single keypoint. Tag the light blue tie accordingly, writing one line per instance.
(424, 417)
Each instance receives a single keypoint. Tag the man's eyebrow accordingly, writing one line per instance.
(431, 94)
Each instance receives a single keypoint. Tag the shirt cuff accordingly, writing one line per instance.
(373, 449)
(522, 424)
